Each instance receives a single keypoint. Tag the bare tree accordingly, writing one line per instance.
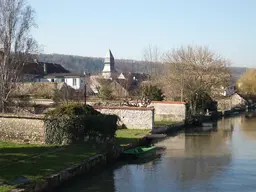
(16, 21)
(152, 57)
(195, 71)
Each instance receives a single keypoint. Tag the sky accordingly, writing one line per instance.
(89, 28)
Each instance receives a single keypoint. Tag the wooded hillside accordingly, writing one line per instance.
(95, 65)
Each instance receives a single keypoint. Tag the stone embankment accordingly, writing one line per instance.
(98, 161)
(172, 128)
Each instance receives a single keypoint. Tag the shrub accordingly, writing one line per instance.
(70, 123)
(152, 93)
(73, 109)
(106, 92)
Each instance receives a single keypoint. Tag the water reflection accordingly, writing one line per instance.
(248, 128)
(222, 160)
(95, 182)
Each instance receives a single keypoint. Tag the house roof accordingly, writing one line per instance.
(129, 86)
(37, 68)
(138, 76)
(247, 97)
(59, 75)
(122, 82)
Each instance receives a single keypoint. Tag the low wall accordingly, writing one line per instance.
(29, 110)
(131, 117)
(169, 110)
(29, 129)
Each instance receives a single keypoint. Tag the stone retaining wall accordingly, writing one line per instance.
(131, 117)
(169, 110)
(25, 128)
(168, 128)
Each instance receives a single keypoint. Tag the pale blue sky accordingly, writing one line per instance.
(89, 28)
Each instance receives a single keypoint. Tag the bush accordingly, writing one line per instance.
(73, 109)
(71, 123)
(105, 92)
(152, 92)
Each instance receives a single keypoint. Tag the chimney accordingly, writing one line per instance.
(45, 69)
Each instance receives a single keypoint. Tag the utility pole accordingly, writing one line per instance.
(85, 76)
(84, 93)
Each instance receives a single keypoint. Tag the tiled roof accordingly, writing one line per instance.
(129, 86)
(37, 68)
(64, 75)
(247, 97)
(138, 76)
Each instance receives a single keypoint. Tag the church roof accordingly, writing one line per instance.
(109, 58)
(109, 54)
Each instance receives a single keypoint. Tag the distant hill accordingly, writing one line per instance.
(238, 71)
(95, 65)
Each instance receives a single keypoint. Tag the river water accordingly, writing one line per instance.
(220, 160)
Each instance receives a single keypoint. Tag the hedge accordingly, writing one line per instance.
(71, 123)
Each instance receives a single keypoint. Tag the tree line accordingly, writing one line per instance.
(95, 65)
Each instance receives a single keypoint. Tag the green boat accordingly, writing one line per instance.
(139, 152)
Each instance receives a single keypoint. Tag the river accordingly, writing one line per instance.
(220, 160)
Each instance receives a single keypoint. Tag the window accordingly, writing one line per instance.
(74, 81)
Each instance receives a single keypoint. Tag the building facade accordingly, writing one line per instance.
(52, 72)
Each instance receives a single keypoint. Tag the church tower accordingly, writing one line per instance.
(109, 65)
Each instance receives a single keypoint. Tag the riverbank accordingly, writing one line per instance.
(170, 128)
(36, 167)
(26, 164)
(221, 160)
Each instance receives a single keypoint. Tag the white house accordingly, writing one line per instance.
(74, 80)
(52, 72)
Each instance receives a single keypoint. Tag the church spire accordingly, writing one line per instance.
(109, 65)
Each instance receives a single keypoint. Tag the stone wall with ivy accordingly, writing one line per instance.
(66, 124)
(76, 123)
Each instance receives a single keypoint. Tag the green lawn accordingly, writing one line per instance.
(127, 136)
(36, 161)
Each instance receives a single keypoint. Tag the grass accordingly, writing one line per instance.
(36, 161)
(127, 136)
(163, 123)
